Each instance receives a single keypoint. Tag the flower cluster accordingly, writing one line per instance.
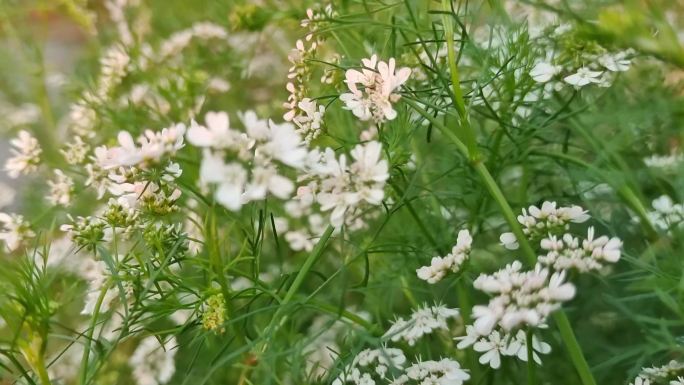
(153, 146)
(306, 113)
(255, 157)
(664, 162)
(569, 253)
(440, 266)
(443, 372)
(599, 66)
(670, 374)
(15, 230)
(539, 222)
(369, 365)
(521, 298)
(61, 189)
(344, 189)
(25, 155)
(423, 321)
(379, 81)
(666, 215)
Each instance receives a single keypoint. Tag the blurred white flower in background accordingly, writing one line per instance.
(26, 155)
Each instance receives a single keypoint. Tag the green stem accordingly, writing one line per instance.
(573, 348)
(531, 369)
(42, 371)
(91, 331)
(506, 210)
(299, 279)
(467, 132)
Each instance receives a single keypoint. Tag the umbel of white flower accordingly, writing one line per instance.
(440, 266)
(423, 321)
(379, 81)
(345, 188)
(151, 147)
(588, 255)
(443, 372)
(370, 364)
(14, 231)
(666, 214)
(520, 298)
(25, 155)
(671, 373)
(539, 222)
(245, 166)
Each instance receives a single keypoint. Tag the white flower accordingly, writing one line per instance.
(258, 156)
(517, 347)
(542, 72)
(230, 179)
(640, 381)
(615, 62)
(492, 347)
(76, 151)
(376, 98)
(442, 372)
(583, 76)
(310, 120)
(61, 189)
(368, 362)
(521, 298)
(345, 188)
(469, 339)
(541, 222)
(215, 134)
(509, 241)
(153, 147)
(14, 231)
(152, 362)
(439, 266)
(589, 254)
(666, 162)
(423, 321)
(26, 155)
(666, 215)
(267, 180)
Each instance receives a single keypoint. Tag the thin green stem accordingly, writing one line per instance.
(39, 367)
(531, 369)
(278, 318)
(467, 132)
(573, 348)
(506, 211)
(89, 337)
